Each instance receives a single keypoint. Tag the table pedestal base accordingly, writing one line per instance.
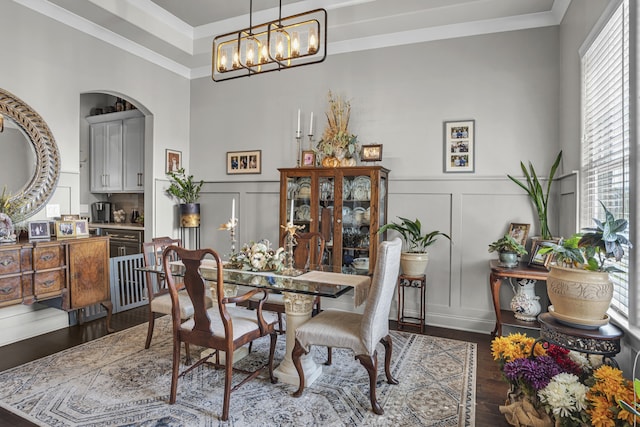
(298, 310)
(239, 354)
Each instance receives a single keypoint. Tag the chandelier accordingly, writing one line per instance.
(283, 43)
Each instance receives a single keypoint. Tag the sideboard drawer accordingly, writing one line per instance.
(10, 288)
(48, 282)
(45, 257)
(10, 261)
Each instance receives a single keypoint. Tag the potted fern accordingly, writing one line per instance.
(183, 188)
(415, 258)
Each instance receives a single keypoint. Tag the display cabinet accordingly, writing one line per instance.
(347, 205)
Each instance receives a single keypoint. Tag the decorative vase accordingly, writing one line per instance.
(330, 162)
(348, 162)
(525, 304)
(579, 297)
(190, 215)
(414, 264)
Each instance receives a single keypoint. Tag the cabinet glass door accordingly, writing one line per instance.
(299, 202)
(356, 216)
(326, 187)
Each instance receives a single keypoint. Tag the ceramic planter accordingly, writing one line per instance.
(579, 297)
(414, 264)
(508, 259)
(190, 215)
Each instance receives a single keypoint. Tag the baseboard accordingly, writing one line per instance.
(21, 321)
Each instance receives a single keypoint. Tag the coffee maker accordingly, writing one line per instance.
(101, 212)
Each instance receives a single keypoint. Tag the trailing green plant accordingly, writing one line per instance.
(411, 232)
(507, 244)
(592, 249)
(539, 195)
(183, 187)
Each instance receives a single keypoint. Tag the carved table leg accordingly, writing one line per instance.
(109, 307)
(298, 310)
(495, 283)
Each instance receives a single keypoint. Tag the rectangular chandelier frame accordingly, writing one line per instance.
(276, 45)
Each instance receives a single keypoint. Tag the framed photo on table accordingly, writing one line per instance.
(308, 159)
(537, 259)
(173, 160)
(39, 230)
(81, 227)
(459, 146)
(519, 232)
(65, 229)
(371, 153)
(240, 162)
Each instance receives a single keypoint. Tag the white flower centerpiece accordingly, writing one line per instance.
(258, 256)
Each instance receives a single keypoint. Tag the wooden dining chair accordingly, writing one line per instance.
(157, 291)
(358, 332)
(223, 327)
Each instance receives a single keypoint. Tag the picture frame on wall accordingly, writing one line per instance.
(308, 159)
(459, 146)
(39, 230)
(173, 160)
(243, 162)
(81, 227)
(371, 153)
(519, 232)
(65, 229)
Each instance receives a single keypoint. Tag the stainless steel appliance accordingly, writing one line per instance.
(101, 212)
(123, 242)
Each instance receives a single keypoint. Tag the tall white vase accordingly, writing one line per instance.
(525, 304)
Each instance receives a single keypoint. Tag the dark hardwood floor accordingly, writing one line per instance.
(490, 388)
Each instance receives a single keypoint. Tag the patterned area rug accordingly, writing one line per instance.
(114, 381)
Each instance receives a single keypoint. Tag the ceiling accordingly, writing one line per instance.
(177, 35)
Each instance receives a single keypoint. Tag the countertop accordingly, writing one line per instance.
(118, 226)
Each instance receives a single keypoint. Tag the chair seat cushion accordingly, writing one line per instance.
(244, 321)
(162, 304)
(332, 328)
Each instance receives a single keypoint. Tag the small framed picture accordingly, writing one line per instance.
(459, 146)
(519, 232)
(371, 153)
(537, 259)
(173, 160)
(65, 229)
(39, 230)
(69, 217)
(239, 162)
(308, 159)
(81, 227)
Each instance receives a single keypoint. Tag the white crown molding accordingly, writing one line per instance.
(177, 31)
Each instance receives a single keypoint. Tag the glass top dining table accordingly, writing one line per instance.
(299, 293)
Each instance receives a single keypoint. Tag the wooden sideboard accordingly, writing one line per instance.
(77, 270)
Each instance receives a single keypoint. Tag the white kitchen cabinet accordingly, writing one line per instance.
(117, 152)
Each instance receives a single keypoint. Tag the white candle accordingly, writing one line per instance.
(233, 210)
(291, 213)
(311, 124)
(298, 121)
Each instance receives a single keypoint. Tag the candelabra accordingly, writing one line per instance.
(298, 148)
(231, 227)
(290, 242)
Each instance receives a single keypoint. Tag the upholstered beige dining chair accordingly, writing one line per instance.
(224, 327)
(358, 332)
(157, 291)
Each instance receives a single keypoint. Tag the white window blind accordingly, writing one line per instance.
(605, 141)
